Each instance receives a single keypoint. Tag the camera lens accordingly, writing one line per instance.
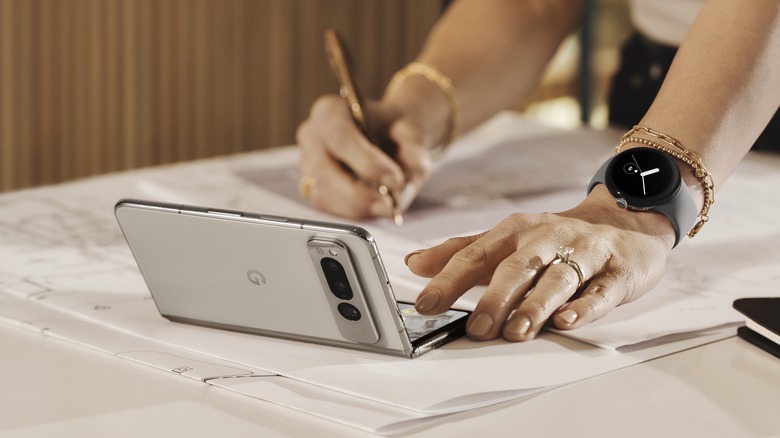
(341, 290)
(349, 311)
(337, 278)
(330, 265)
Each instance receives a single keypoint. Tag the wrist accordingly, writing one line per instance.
(427, 95)
(419, 101)
(599, 207)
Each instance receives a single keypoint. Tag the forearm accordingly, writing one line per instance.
(723, 86)
(494, 51)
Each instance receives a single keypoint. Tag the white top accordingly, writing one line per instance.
(665, 21)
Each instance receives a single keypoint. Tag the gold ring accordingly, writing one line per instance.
(563, 255)
(307, 183)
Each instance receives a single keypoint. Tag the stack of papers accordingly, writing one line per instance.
(66, 272)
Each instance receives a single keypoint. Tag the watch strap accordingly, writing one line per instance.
(681, 210)
(600, 176)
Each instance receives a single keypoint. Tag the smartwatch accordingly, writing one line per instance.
(648, 179)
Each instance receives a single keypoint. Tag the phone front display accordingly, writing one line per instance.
(419, 326)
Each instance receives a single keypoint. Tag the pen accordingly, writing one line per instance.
(338, 58)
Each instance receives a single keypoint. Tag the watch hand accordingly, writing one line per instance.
(650, 172)
(644, 192)
(636, 162)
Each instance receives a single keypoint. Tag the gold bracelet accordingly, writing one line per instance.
(435, 76)
(676, 149)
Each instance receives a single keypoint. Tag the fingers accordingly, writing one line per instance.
(355, 200)
(598, 299)
(429, 262)
(512, 280)
(346, 167)
(556, 284)
(467, 261)
(464, 269)
(461, 263)
(346, 144)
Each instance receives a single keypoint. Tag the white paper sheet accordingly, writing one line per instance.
(66, 271)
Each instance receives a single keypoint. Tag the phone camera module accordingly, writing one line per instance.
(349, 311)
(337, 279)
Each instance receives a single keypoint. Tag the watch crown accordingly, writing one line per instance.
(621, 203)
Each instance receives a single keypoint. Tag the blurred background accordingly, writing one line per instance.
(96, 86)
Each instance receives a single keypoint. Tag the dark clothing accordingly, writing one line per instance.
(644, 65)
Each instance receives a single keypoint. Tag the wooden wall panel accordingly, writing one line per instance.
(93, 86)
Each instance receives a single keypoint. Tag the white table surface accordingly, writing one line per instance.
(52, 388)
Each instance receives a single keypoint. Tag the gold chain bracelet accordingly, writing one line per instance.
(444, 83)
(677, 150)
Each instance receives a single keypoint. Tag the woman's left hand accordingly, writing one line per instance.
(621, 255)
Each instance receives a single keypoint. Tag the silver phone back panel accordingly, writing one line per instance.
(255, 273)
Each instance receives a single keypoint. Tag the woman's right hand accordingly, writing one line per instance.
(342, 169)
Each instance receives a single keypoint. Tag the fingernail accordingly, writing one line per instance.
(519, 325)
(427, 301)
(410, 255)
(480, 324)
(569, 316)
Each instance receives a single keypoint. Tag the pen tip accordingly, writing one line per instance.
(397, 218)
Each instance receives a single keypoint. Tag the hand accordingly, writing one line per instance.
(622, 255)
(347, 168)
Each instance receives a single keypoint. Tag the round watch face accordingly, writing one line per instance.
(644, 177)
